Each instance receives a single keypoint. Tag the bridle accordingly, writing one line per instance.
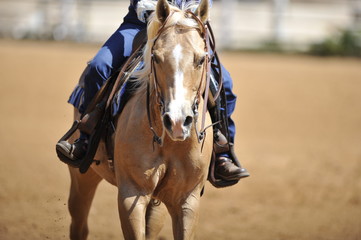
(204, 77)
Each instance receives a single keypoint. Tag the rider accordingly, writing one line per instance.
(109, 58)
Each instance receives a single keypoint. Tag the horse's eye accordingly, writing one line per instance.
(155, 58)
(200, 61)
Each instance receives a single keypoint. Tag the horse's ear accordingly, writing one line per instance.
(203, 11)
(163, 10)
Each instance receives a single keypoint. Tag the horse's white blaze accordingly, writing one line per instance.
(177, 54)
(177, 103)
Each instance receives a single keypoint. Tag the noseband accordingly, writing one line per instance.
(158, 93)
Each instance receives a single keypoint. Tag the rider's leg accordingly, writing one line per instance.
(225, 167)
(108, 59)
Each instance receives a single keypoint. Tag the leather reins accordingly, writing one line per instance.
(205, 71)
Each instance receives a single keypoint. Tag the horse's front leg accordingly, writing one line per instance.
(132, 205)
(82, 190)
(155, 218)
(185, 217)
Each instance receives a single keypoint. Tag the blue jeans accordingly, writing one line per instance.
(114, 53)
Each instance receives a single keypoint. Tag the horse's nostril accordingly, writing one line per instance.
(188, 121)
(167, 121)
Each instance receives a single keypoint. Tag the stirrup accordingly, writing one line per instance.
(68, 161)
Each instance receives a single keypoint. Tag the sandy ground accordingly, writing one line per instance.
(299, 134)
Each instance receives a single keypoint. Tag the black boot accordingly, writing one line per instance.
(227, 166)
(72, 154)
(227, 170)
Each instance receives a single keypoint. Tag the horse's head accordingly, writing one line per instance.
(179, 57)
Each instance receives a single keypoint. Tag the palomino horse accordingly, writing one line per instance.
(174, 172)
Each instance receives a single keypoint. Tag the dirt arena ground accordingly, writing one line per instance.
(299, 134)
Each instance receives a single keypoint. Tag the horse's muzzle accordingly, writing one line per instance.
(178, 129)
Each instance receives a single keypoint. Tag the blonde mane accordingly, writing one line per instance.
(178, 18)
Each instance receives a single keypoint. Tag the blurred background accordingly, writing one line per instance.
(298, 118)
(239, 24)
